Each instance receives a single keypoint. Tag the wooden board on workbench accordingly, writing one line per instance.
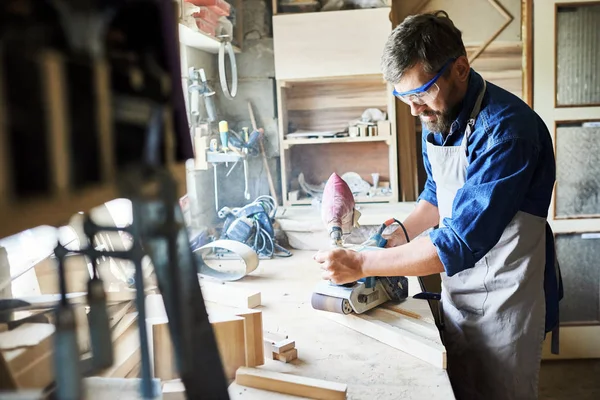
(410, 335)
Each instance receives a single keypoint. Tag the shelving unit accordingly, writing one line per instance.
(200, 40)
(320, 90)
(330, 105)
(287, 143)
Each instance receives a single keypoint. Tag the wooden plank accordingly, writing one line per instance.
(229, 295)
(126, 354)
(401, 339)
(413, 308)
(26, 356)
(229, 334)
(116, 312)
(290, 384)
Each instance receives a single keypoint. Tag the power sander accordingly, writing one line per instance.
(339, 215)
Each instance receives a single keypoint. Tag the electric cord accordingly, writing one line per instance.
(403, 228)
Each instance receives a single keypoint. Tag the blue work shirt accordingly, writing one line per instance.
(511, 168)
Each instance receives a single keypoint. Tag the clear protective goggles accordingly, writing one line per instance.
(423, 94)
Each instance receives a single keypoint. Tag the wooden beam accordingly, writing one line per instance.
(527, 39)
(290, 384)
(405, 121)
(415, 344)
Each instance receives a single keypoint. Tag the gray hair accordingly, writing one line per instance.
(430, 39)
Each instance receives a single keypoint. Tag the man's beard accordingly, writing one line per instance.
(443, 121)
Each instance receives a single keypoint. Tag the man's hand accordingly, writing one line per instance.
(396, 238)
(340, 265)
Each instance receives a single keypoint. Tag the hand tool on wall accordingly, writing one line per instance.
(224, 134)
(339, 216)
(66, 349)
(264, 157)
(198, 86)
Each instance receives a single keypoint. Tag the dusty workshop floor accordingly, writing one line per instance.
(566, 380)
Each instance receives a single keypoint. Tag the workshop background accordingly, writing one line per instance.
(307, 74)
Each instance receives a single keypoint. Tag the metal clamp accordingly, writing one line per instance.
(226, 45)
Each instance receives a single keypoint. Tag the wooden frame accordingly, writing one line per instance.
(575, 341)
(558, 4)
(527, 39)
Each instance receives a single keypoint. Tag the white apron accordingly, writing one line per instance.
(494, 313)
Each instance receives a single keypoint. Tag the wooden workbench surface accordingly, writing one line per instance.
(328, 350)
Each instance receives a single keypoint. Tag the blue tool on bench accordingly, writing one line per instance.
(364, 294)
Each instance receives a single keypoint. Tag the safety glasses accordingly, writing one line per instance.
(426, 93)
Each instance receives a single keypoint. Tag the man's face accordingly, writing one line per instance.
(439, 113)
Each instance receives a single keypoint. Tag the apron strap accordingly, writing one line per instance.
(473, 116)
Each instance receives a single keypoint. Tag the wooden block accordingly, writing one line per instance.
(26, 357)
(46, 272)
(163, 355)
(253, 336)
(286, 356)
(253, 331)
(228, 295)
(384, 128)
(173, 390)
(290, 384)
(283, 346)
(229, 334)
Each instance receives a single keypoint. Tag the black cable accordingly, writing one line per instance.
(403, 228)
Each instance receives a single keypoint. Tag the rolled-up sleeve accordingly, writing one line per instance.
(429, 192)
(496, 184)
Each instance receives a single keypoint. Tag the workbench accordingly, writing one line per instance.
(328, 350)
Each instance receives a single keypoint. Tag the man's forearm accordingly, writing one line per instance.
(417, 258)
(424, 216)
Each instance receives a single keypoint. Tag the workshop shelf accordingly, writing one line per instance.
(291, 142)
(200, 40)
